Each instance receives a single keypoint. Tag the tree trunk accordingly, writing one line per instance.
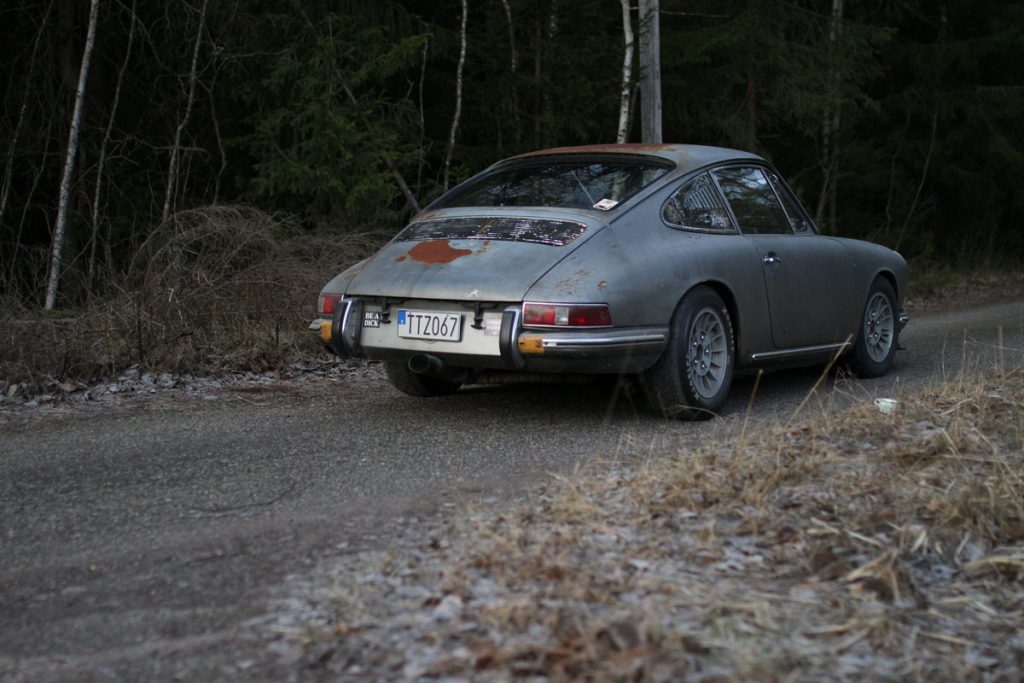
(12, 147)
(94, 239)
(538, 86)
(215, 121)
(172, 166)
(420, 154)
(935, 77)
(830, 124)
(69, 162)
(753, 55)
(548, 138)
(650, 72)
(513, 69)
(26, 204)
(627, 75)
(458, 95)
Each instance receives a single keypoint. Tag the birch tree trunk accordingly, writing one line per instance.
(458, 95)
(5, 192)
(650, 71)
(172, 167)
(627, 75)
(60, 227)
(94, 239)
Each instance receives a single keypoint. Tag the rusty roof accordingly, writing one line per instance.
(684, 156)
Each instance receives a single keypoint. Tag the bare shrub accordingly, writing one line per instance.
(212, 288)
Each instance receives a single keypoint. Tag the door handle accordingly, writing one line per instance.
(771, 259)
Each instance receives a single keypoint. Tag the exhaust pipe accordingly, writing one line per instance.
(432, 366)
(422, 364)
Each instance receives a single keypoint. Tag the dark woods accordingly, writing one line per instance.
(897, 120)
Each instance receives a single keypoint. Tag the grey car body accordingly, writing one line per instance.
(785, 295)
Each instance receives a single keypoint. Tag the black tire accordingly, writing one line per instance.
(408, 382)
(691, 380)
(877, 334)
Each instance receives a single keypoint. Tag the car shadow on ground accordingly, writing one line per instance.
(622, 399)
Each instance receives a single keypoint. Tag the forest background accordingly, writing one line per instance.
(301, 133)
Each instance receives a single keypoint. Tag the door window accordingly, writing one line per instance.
(797, 216)
(753, 201)
(698, 206)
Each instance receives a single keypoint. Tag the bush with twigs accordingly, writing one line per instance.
(212, 288)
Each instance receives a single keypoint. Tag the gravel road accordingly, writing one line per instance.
(142, 543)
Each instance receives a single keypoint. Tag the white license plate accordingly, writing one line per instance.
(429, 325)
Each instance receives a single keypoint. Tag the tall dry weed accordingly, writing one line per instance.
(843, 545)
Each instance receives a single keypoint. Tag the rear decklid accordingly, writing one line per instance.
(492, 254)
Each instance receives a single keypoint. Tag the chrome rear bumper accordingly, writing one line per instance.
(591, 350)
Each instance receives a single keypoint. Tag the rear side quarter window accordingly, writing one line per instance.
(697, 205)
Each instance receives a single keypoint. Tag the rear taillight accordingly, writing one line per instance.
(327, 304)
(566, 315)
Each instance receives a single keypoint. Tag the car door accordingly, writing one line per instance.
(806, 275)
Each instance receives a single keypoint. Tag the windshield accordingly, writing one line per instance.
(574, 184)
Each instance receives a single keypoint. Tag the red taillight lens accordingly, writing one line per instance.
(326, 305)
(567, 315)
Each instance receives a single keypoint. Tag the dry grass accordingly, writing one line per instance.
(852, 545)
(220, 287)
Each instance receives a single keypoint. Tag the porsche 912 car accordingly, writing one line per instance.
(680, 265)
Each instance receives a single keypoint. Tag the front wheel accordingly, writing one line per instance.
(409, 382)
(875, 348)
(692, 378)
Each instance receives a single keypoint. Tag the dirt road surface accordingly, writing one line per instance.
(144, 543)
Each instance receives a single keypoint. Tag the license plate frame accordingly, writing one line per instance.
(429, 325)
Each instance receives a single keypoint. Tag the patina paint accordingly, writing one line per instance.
(436, 252)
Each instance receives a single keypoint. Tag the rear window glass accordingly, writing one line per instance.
(535, 230)
(565, 184)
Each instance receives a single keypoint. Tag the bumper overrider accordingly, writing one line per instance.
(901, 321)
(504, 345)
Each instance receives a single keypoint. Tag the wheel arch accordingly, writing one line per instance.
(889, 276)
(725, 293)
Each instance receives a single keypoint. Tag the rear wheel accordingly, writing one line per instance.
(692, 378)
(875, 348)
(414, 384)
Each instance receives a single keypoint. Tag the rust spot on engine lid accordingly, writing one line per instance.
(436, 252)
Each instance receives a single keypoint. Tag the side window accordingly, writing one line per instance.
(697, 205)
(753, 201)
(797, 216)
